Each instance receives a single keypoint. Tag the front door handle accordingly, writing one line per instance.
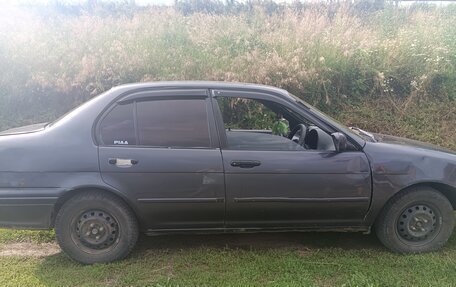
(119, 162)
(245, 163)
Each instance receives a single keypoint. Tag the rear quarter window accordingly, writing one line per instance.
(118, 126)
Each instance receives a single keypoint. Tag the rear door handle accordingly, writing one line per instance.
(119, 162)
(245, 163)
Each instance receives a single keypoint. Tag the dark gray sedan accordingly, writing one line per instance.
(217, 157)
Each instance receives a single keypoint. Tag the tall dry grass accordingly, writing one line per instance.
(392, 70)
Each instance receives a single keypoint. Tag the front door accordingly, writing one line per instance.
(272, 181)
(160, 150)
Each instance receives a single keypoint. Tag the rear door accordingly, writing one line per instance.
(161, 150)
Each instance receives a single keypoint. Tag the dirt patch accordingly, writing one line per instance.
(29, 249)
(303, 242)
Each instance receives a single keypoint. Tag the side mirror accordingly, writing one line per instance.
(340, 141)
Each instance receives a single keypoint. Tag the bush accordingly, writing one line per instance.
(396, 64)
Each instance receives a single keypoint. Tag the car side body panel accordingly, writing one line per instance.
(297, 189)
(396, 167)
(39, 168)
(170, 188)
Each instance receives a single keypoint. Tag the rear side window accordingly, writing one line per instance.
(179, 123)
(173, 123)
(118, 127)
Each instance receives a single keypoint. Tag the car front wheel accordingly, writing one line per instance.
(416, 220)
(96, 227)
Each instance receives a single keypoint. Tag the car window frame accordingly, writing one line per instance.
(160, 95)
(260, 95)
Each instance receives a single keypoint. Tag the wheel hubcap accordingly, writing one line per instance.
(97, 229)
(417, 223)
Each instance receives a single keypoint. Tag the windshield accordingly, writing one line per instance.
(355, 132)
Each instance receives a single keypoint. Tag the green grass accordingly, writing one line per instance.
(272, 259)
(34, 236)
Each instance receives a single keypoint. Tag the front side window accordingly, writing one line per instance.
(252, 124)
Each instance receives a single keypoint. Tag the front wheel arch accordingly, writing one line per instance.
(446, 190)
(385, 224)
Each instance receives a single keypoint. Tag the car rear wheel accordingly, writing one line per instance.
(96, 227)
(415, 221)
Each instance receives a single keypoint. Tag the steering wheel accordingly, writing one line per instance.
(298, 134)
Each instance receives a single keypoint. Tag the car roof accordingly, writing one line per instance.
(203, 85)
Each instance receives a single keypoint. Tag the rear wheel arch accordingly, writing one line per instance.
(87, 189)
(96, 227)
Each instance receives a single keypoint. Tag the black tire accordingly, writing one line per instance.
(416, 220)
(96, 227)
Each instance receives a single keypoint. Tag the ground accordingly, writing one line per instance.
(268, 259)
